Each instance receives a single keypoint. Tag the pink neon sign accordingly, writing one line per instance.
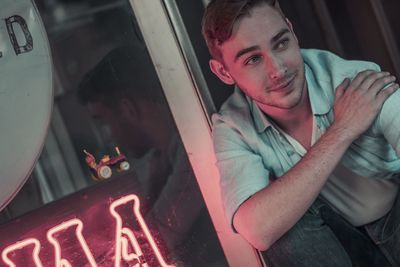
(20, 245)
(61, 261)
(128, 250)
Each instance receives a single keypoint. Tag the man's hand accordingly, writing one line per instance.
(358, 102)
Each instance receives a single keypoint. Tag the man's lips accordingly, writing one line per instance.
(283, 85)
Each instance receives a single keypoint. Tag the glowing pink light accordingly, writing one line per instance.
(124, 240)
(59, 261)
(121, 241)
(19, 245)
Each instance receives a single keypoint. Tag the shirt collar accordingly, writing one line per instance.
(260, 119)
(320, 104)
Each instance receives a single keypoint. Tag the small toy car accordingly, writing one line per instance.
(102, 170)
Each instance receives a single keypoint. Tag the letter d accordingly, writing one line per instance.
(19, 49)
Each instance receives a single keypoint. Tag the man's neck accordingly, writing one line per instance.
(296, 122)
(291, 120)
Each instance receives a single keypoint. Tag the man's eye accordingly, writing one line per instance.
(282, 44)
(252, 60)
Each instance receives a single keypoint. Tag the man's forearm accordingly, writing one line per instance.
(271, 212)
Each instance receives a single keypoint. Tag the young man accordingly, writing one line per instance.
(303, 128)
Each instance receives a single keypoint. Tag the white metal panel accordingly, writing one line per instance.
(26, 93)
(191, 121)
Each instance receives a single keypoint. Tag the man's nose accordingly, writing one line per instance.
(276, 68)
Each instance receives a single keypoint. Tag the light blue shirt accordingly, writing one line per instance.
(250, 150)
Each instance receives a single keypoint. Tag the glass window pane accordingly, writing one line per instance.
(111, 134)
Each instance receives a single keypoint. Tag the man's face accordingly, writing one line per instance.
(121, 127)
(263, 58)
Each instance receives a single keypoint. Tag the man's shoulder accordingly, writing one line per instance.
(235, 112)
(325, 71)
(325, 64)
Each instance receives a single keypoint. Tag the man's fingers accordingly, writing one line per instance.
(360, 77)
(374, 78)
(381, 83)
(342, 87)
(385, 93)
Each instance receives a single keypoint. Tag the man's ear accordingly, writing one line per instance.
(219, 69)
(291, 29)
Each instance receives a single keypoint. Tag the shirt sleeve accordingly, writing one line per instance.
(389, 121)
(242, 172)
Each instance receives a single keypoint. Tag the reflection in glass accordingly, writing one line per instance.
(107, 95)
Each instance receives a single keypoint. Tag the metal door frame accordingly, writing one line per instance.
(190, 115)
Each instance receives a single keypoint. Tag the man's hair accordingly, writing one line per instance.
(220, 17)
(125, 72)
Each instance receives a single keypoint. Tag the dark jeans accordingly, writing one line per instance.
(323, 238)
